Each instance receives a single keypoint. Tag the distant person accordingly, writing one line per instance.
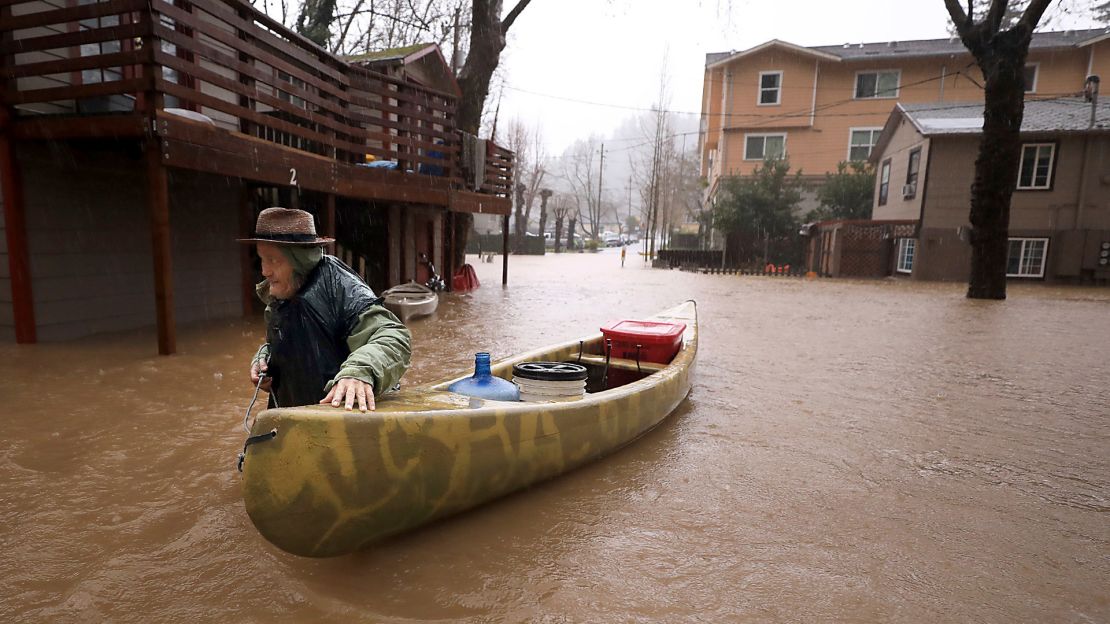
(624, 249)
(328, 338)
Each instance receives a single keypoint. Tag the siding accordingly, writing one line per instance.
(89, 239)
(905, 139)
(953, 171)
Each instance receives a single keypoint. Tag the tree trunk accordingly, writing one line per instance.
(520, 224)
(996, 168)
(570, 234)
(558, 232)
(487, 40)
(543, 211)
(1001, 57)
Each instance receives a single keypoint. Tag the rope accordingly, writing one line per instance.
(246, 420)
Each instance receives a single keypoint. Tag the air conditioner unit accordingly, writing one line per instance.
(908, 190)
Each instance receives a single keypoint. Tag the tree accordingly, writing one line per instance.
(582, 169)
(315, 20)
(1064, 13)
(1000, 54)
(847, 194)
(758, 208)
(545, 194)
(561, 208)
(487, 40)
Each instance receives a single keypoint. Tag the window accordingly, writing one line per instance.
(884, 182)
(861, 141)
(1031, 78)
(764, 146)
(911, 174)
(1026, 257)
(877, 84)
(770, 88)
(1036, 166)
(906, 249)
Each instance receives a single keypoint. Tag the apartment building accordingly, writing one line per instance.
(825, 104)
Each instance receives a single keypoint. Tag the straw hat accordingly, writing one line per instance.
(286, 226)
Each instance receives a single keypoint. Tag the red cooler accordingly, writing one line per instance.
(659, 342)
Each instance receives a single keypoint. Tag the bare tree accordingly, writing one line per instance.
(1000, 54)
(581, 170)
(561, 208)
(545, 194)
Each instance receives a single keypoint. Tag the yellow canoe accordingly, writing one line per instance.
(332, 482)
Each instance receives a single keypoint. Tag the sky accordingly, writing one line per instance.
(613, 52)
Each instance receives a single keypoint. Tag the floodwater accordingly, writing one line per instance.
(851, 451)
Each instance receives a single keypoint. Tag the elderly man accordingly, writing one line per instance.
(328, 339)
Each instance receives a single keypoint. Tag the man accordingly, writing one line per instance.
(328, 339)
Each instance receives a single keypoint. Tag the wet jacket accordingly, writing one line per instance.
(330, 330)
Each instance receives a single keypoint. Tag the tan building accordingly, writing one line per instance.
(826, 104)
(1060, 211)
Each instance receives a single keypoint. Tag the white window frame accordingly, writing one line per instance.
(1051, 167)
(905, 245)
(875, 132)
(894, 96)
(759, 89)
(764, 136)
(1036, 76)
(1023, 240)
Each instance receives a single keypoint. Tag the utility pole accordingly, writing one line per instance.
(600, 177)
(629, 200)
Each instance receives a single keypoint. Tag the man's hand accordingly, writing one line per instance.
(257, 368)
(346, 390)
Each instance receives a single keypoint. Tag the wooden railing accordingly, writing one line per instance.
(239, 68)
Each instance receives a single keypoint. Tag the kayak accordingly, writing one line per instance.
(410, 300)
(322, 482)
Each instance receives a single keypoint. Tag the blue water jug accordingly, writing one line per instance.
(483, 385)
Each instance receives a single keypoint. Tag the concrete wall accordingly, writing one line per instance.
(89, 237)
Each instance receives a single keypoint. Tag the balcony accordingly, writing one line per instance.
(218, 86)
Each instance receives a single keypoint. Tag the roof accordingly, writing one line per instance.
(1056, 115)
(389, 55)
(916, 48)
(728, 57)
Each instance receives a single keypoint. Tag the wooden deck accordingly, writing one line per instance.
(284, 111)
(217, 86)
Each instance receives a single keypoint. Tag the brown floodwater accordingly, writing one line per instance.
(853, 451)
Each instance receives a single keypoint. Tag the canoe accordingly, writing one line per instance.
(410, 300)
(327, 482)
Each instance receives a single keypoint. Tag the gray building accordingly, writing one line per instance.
(1060, 211)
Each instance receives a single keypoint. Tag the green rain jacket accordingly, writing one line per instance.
(380, 345)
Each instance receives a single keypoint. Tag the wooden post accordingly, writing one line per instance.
(158, 199)
(246, 264)
(505, 250)
(15, 229)
(328, 218)
(449, 257)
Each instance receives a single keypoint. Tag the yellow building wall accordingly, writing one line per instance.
(818, 136)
